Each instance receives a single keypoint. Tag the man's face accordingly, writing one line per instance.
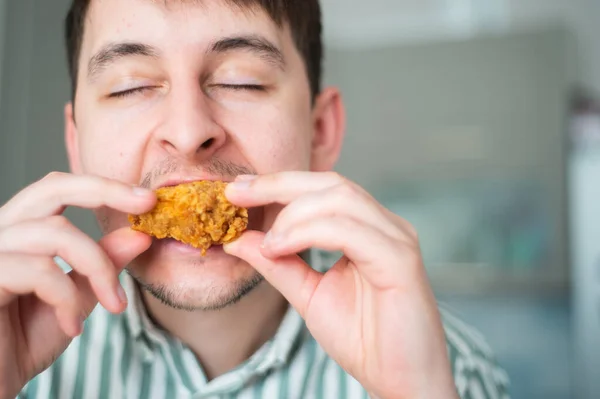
(178, 91)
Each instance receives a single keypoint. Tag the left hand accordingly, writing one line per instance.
(374, 312)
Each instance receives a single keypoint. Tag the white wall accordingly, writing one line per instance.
(381, 23)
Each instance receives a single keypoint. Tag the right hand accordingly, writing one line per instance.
(41, 308)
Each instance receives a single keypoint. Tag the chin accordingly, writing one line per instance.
(180, 277)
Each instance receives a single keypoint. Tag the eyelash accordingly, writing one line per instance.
(125, 93)
(249, 87)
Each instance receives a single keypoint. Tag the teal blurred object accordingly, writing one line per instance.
(498, 224)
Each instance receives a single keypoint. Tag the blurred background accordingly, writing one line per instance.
(476, 120)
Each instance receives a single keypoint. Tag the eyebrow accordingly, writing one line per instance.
(115, 51)
(258, 45)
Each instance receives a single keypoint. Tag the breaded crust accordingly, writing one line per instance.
(197, 214)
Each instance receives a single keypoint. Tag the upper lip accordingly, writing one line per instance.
(174, 181)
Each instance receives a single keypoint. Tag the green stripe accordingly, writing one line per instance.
(170, 388)
(311, 351)
(82, 362)
(56, 375)
(343, 383)
(258, 388)
(30, 390)
(320, 388)
(284, 383)
(126, 356)
(146, 373)
(179, 365)
(107, 359)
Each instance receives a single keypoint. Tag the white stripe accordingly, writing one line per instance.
(247, 393)
(475, 390)
(190, 363)
(134, 376)
(461, 345)
(271, 386)
(95, 355)
(158, 385)
(297, 370)
(314, 369)
(501, 377)
(44, 383)
(166, 350)
(460, 378)
(117, 340)
(68, 371)
(487, 377)
(331, 380)
(472, 334)
(354, 389)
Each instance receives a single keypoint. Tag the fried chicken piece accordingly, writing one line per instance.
(197, 214)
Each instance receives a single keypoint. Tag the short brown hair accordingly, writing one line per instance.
(302, 16)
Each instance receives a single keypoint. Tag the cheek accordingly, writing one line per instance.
(274, 139)
(113, 159)
(111, 149)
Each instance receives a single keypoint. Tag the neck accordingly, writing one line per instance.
(222, 340)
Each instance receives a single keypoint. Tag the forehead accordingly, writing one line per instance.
(176, 24)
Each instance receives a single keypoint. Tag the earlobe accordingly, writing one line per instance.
(72, 139)
(329, 126)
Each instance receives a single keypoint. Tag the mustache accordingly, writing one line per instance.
(213, 166)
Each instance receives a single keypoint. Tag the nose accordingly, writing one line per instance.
(191, 131)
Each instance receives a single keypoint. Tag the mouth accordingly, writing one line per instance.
(180, 202)
(175, 181)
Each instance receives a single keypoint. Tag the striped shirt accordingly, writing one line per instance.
(126, 356)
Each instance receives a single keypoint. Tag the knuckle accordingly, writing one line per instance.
(271, 179)
(60, 222)
(44, 267)
(54, 176)
(411, 231)
(347, 189)
(335, 177)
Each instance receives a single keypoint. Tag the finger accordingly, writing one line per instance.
(53, 193)
(122, 246)
(56, 236)
(341, 200)
(38, 275)
(368, 248)
(290, 275)
(279, 188)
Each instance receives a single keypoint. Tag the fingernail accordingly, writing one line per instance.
(246, 177)
(270, 240)
(141, 192)
(240, 185)
(79, 326)
(121, 294)
(227, 248)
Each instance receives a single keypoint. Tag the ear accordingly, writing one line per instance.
(329, 127)
(72, 140)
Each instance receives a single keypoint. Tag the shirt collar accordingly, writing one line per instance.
(280, 347)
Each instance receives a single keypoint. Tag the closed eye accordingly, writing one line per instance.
(249, 87)
(129, 92)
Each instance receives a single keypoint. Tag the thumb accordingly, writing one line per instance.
(290, 275)
(122, 246)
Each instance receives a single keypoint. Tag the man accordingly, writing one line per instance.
(172, 91)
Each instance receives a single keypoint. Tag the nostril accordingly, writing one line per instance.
(208, 143)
